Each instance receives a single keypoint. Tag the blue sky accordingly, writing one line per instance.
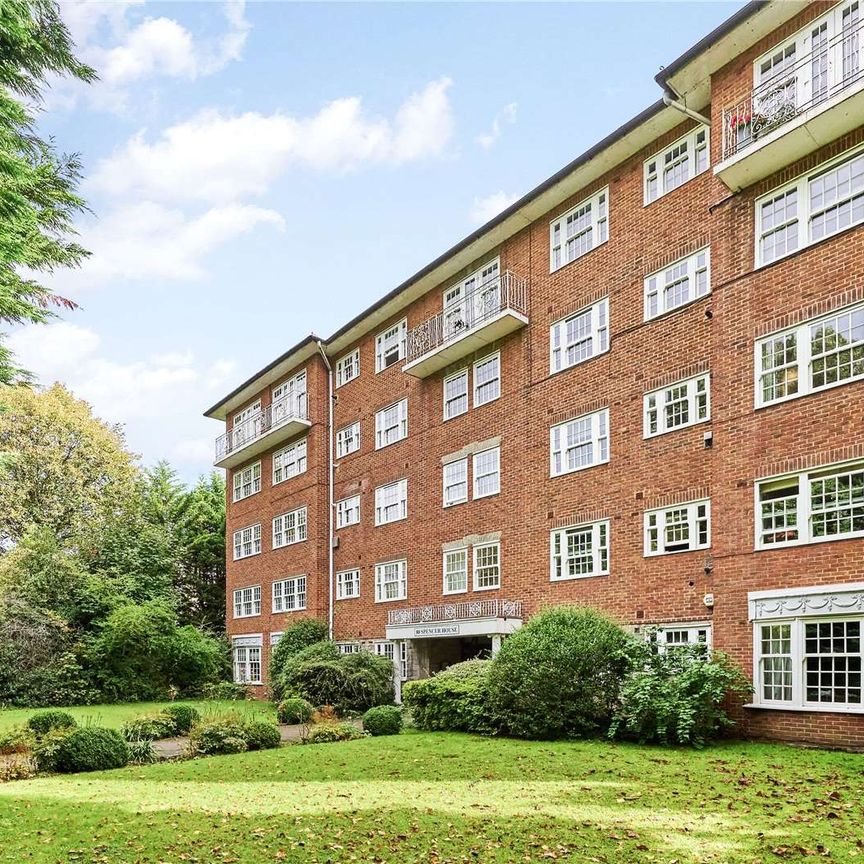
(258, 172)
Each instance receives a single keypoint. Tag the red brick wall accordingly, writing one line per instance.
(715, 333)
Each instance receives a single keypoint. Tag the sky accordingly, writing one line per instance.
(260, 171)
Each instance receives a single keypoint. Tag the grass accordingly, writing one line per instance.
(114, 716)
(450, 798)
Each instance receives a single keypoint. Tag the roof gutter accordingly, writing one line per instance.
(670, 99)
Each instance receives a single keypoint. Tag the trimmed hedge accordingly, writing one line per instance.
(294, 710)
(42, 722)
(262, 736)
(87, 749)
(383, 720)
(232, 734)
(454, 700)
(559, 675)
(330, 732)
(149, 727)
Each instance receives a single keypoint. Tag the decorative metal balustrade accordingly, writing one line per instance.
(798, 84)
(279, 413)
(465, 611)
(468, 312)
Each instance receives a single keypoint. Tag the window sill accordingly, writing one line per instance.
(814, 392)
(554, 372)
(580, 468)
(560, 267)
(667, 312)
(807, 709)
(675, 552)
(813, 541)
(652, 435)
(391, 599)
(553, 580)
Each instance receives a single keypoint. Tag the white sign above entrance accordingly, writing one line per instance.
(436, 630)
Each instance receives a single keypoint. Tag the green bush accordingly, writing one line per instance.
(559, 675)
(224, 691)
(149, 727)
(46, 748)
(261, 736)
(383, 720)
(141, 752)
(42, 722)
(17, 739)
(218, 735)
(677, 696)
(454, 700)
(294, 710)
(349, 682)
(90, 749)
(296, 637)
(328, 732)
(184, 717)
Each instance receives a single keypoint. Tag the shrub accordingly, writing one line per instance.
(261, 736)
(47, 747)
(383, 720)
(42, 722)
(296, 637)
(349, 682)
(325, 714)
(224, 691)
(150, 727)
(184, 717)
(455, 700)
(218, 735)
(677, 696)
(294, 710)
(90, 749)
(20, 767)
(18, 739)
(196, 659)
(141, 752)
(328, 732)
(559, 675)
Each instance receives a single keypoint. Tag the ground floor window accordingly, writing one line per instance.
(347, 647)
(247, 662)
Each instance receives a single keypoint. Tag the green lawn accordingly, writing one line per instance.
(114, 716)
(450, 798)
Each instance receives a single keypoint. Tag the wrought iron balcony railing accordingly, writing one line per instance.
(286, 410)
(468, 312)
(798, 84)
(465, 611)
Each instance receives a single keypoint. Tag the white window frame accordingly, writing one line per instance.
(401, 502)
(289, 399)
(396, 333)
(289, 595)
(348, 647)
(246, 660)
(239, 438)
(599, 552)
(495, 472)
(598, 224)
(697, 400)
(799, 372)
(344, 578)
(803, 215)
(290, 461)
(460, 376)
(401, 580)
(476, 567)
(495, 358)
(348, 512)
(693, 518)
(246, 478)
(447, 556)
(596, 336)
(348, 439)
(299, 530)
(793, 512)
(401, 424)
(691, 630)
(695, 268)
(599, 440)
(386, 649)
(697, 141)
(348, 367)
(450, 482)
(472, 300)
(250, 537)
(249, 596)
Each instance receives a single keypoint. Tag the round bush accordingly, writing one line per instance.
(383, 720)
(149, 727)
(328, 732)
(559, 675)
(262, 736)
(296, 637)
(294, 710)
(42, 722)
(454, 700)
(91, 749)
(184, 717)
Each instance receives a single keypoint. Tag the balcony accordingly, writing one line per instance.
(452, 620)
(804, 105)
(471, 321)
(271, 425)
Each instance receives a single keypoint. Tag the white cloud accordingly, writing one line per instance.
(217, 158)
(154, 392)
(507, 115)
(149, 240)
(484, 209)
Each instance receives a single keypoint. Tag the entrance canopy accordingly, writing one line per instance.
(454, 620)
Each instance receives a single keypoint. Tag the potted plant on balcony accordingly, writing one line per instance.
(740, 126)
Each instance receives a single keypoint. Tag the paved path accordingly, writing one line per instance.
(171, 748)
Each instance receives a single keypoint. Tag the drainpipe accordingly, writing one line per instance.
(673, 100)
(330, 470)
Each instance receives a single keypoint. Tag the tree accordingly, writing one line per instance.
(38, 198)
(64, 470)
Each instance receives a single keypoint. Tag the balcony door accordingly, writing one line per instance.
(289, 399)
(247, 425)
(472, 300)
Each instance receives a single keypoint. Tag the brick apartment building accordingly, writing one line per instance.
(639, 388)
